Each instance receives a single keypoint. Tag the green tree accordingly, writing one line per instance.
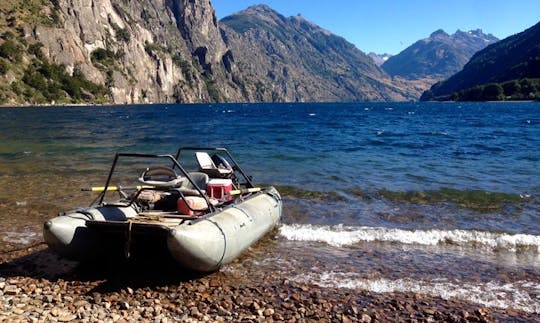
(474, 94)
(35, 49)
(493, 92)
(8, 35)
(121, 33)
(527, 87)
(512, 88)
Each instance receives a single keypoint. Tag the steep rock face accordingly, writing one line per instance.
(87, 27)
(142, 51)
(198, 25)
(515, 57)
(438, 56)
(292, 59)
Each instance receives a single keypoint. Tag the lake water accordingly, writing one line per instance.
(432, 198)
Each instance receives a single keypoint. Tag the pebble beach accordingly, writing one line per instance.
(38, 286)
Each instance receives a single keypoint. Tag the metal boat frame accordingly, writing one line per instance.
(175, 164)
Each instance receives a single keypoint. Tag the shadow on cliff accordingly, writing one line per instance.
(110, 274)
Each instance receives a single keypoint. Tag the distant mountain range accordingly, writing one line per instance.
(439, 56)
(379, 59)
(292, 59)
(512, 59)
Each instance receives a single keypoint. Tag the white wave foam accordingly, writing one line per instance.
(340, 235)
(25, 237)
(518, 295)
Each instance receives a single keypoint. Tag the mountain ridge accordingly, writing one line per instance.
(438, 56)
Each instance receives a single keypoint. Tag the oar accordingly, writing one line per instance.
(112, 188)
(245, 190)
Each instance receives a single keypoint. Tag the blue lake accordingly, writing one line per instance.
(394, 191)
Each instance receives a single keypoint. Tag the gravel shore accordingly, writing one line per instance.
(38, 286)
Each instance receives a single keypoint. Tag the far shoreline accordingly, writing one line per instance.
(92, 105)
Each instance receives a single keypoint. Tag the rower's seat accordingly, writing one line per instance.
(200, 179)
(207, 165)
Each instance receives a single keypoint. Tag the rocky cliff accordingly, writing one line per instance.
(291, 59)
(141, 51)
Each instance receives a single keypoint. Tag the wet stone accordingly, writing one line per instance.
(429, 311)
(224, 298)
(11, 290)
(365, 318)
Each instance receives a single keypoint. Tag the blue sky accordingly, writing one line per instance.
(389, 26)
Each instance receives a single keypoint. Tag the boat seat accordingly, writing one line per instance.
(207, 165)
(200, 179)
(161, 176)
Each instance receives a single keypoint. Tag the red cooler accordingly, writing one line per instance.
(218, 188)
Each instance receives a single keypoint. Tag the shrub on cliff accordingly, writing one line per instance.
(4, 67)
(10, 50)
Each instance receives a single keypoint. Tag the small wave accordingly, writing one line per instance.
(25, 237)
(435, 133)
(519, 295)
(340, 235)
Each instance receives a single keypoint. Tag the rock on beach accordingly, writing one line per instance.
(68, 292)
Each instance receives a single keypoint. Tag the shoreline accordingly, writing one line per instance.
(35, 284)
(49, 105)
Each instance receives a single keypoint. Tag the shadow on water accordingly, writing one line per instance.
(104, 274)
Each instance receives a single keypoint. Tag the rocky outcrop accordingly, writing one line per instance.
(143, 51)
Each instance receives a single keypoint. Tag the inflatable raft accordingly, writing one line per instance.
(203, 210)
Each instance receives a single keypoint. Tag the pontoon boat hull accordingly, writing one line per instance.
(206, 244)
(201, 244)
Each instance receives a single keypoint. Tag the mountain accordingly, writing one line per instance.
(438, 56)
(292, 59)
(514, 58)
(379, 59)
